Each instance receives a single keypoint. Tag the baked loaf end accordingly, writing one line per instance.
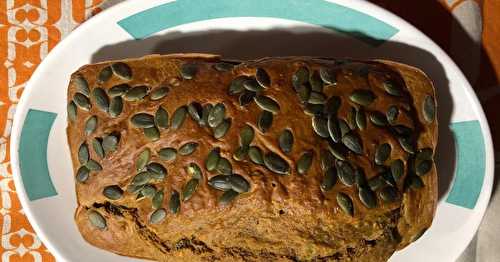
(189, 158)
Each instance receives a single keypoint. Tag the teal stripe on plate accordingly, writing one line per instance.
(470, 167)
(317, 12)
(33, 154)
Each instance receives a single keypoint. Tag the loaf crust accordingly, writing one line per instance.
(281, 217)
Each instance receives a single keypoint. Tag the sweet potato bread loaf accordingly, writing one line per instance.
(191, 158)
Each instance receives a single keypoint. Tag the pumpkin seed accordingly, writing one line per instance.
(92, 165)
(382, 153)
(167, 154)
(316, 98)
(378, 119)
(142, 159)
(105, 74)
(332, 105)
(141, 178)
(82, 101)
(122, 70)
(157, 200)
(246, 135)
(305, 162)
(329, 180)
(188, 148)
(224, 167)
(423, 167)
(157, 216)
(82, 174)
(175, 202)
(159, 93)
(387, 176)
(115, 106)
(300, 77)
(195, 110)
(240, 153)
(216, 115)
(351, 119)
(83, 154)
(113, 192)
(96, 219)
(333, 128)
(425, 154)
(255, 155)
(251, 84)
(304, 93)
(71, 110)
(189, 70)
(82, 85)
(353, 143)
(267, 103)
(345, 203)
(429, 109)
(212, 159)
(397, 169)
(320, 126)
(152, 133)
(415, 182)
(388, 194)
(178, 117)
(227, 197)
(361, 119)
(220, 182)
(118, 90)
(265, 121)
(157, 170)
(194, 171)
(262, 78)
(407, 143)
(239, 183)
(392, 88)
(161, 118)
(134, 189)
(338, 151)
(345, 173)
(328, 76)
(221, 130)
(276, 164)
(316, 82)
(148, 191)
(362, 97)
(90, 125)
(367, 197)
(189, 189)
(376, 182)
(136, 93)
(223, 66)
(314, 110)
(246, 97)
(142, 120)
(286, 141)
(96, 144)
(392, 114)
(402, 130)
(204, 114)
(360, 178)
(344, 128)
(327, 160)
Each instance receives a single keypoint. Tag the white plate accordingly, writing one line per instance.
(247, 29)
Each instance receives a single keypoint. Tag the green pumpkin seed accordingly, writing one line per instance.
(188, 148)
(223, 66)
(189, 188)
(345, 173)
(142, 120)
(316, 82)
(227, 197)
(195, 110)
(367, 197)
(118, 90)
(316, 98)
(423, 167)
(71, 110)
(305, 162)
(82, 174)
(388, 194)
(429, 109)
(92, 165)
(378, 119)
(255, 155)
(265, 121)
(142, 159)
(134, 189)
(161, 118)
(115, 106)
(141, 179)
(251, 84)
(407, 143)
(194, 171)
(327, 160)
(157, 216)
(239, 183)
(157, 200)
(392, 88)
(113, 192)
(263, 78)
(338, 151)
(351, 119)
(276, 164)
(189, 71)
(96, 144)
(157, 170)
(267, 103)
(152, 133)
(286, 141)
(221, 130)
(314, 110)
(300, 77)
(148, 191)
(361, 119)
(224, 167)
(387, 176)
(360, 178)
(175, 202)
(304, 93)
(136, 93)
(82, 101)
(397, 169)
(246, 135)
(220, 182)
(178, 117)
(415, 182)
(425, 154)
(96, 219)
(212, 159)
(376, 182)
(105, 74)
(329, 180)
(122, 70)
(204, 114)
(362, 97)
(82, 85)
(345, 203)
(320, 126)
(332, 105)
(216, 115)
(90, 125)
(353, 143)
(328, 76)
(83, 154)
(333, 128)
(392, 114)
(240, 153)
(246, 97)
(344, 128)
(167, 154)
(382, 153)
(159, 93)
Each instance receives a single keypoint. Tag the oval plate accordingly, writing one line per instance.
(247, 29)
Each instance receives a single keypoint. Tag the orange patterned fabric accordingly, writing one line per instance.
(29, 29)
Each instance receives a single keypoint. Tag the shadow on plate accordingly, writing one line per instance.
(303, 41)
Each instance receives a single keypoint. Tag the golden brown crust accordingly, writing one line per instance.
(281, 218)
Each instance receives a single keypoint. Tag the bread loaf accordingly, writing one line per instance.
(187, 157)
